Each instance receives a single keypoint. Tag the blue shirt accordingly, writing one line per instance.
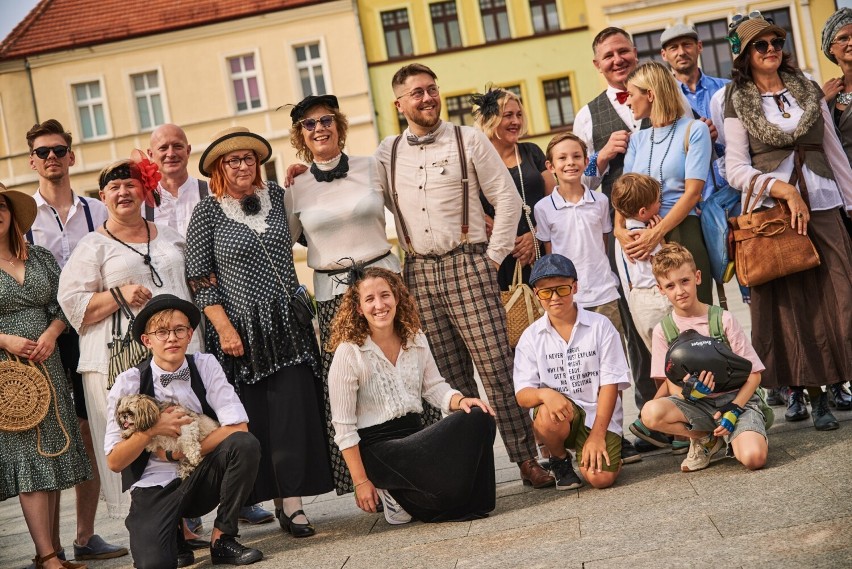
(700, 103)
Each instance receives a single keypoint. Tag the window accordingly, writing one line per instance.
(781, 17)
(244, 80)
(648, 46)
(445, 24)
(495, 19)
(514, 89)
(716, 56)
(149, 104)
(545, 18)
(269, 172)
(397, 33)
(560, 105)
(90, 109)
(309, 64)
(459, 110)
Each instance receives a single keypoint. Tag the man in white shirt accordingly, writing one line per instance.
(451, 266)
(179, 192)
(63, 219)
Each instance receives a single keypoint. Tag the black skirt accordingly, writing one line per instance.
(444, 472)
(285, 415)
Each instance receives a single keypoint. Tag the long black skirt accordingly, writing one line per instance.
(444, 472)
(285, 415)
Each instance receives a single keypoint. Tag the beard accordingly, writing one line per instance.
(422, 120)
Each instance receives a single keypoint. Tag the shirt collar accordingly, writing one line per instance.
(611, 91)
(582, 320)
(438, 130)
(560, 203)
(181, 189)
(40, 201)
(158, 371)
(419, 341)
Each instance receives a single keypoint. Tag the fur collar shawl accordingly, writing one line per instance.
(749, 107)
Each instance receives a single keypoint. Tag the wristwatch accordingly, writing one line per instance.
(170, 457)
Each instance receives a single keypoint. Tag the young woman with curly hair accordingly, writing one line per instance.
(382, 368)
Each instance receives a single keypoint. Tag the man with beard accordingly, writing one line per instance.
(62, 219)
(680, 48)
(179, 192)
(432, 175)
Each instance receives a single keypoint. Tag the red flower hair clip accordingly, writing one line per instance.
(149, 175)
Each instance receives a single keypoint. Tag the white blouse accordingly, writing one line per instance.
(823, 193)
(100, 263)
(365, 389)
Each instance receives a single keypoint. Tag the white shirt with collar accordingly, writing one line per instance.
(592, 357)
(176, 211)
(220, 396)
(576, 230)
(60, 239)
(639, 273)
(583, 121)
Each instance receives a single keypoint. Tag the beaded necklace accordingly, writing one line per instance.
(146, 257)
(668, 136)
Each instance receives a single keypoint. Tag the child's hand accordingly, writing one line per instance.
(595, 454)
(695, 388)
(654, 221)
(727, 417)
(557, 406)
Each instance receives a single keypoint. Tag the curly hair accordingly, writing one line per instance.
(672, 256)
(297, 137)
(350, 326)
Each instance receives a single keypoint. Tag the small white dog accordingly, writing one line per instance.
(141, 412)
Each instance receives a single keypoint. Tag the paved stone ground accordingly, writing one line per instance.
(794, 513)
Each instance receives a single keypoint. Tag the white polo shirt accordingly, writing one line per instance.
(60, 239)
(592, 357)
(576, 231)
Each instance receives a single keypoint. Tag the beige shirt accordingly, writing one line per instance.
(428, 182)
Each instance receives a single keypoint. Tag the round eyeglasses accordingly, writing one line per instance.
(234, 163)
(162, 334)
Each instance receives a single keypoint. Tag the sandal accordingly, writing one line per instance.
(38, 562)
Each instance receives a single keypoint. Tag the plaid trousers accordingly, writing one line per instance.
(461, 314)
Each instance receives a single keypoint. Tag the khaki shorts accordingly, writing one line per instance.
(579, 434)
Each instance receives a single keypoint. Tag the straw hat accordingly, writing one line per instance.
(748, 30)
(231, 139)
(23, 206)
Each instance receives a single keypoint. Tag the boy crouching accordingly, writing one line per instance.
(569, 368)
(225, 476)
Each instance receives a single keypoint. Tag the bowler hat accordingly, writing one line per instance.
(164, 302)
(553, 265)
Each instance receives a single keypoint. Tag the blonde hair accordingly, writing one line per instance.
(218, 178)
(489, 124)
(350, 326)
(670, 257)
(160, 319)
(632, 192)
(297, 137)
(668, 104)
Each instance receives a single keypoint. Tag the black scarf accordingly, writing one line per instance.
(338, 171)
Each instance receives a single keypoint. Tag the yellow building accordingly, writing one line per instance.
(646, 20)
(219, 64)
(539, 48)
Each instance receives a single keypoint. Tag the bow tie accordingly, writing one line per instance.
(339, 171)
(621, 97)
(419, 140)
(182, 375)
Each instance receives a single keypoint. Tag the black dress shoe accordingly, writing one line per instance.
(796, 408)
(294, 529)
(185, 557)
(228, 551)
(197, 543)
(839, 396)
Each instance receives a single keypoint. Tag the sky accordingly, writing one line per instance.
(12, 12)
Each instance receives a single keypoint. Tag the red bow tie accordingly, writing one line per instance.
(621, 97)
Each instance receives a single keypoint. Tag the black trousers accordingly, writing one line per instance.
(68, 344)
(225, 478)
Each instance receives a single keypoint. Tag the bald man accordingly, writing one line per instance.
(179, 192)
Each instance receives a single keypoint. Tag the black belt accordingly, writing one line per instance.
(332, 272)
(463, 248)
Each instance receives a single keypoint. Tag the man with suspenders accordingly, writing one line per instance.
(179, 192)
(63, 219)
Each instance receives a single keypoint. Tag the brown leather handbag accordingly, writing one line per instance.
(765, 246)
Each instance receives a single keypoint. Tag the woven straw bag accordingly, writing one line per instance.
(522, 306)
(25, 396)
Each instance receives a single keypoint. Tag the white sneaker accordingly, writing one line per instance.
(700, 452)
(394, 513)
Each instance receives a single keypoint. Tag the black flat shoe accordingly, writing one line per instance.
(197, 543)
(291, 527)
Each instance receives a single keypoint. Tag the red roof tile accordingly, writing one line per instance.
(56, 25)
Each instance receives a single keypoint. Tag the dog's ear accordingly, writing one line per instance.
(147, 413)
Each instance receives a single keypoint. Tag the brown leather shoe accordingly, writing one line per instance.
(532, 474)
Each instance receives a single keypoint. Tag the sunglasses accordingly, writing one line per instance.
(762, 46)
(310, 124)
(44, 151)
(561, 290)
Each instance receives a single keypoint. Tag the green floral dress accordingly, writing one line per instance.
(27, 310)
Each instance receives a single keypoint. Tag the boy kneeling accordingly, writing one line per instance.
(226, 475)
(701, 420)
(569, 368)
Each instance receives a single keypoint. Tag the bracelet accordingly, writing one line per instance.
(458, 403)
(169, 456)
(360, 483)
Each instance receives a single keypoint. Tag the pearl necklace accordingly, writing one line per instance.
(668, 136)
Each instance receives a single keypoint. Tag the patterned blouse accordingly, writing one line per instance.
(245, 264)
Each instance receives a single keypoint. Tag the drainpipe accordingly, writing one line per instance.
(32, 88)
(363, 50)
